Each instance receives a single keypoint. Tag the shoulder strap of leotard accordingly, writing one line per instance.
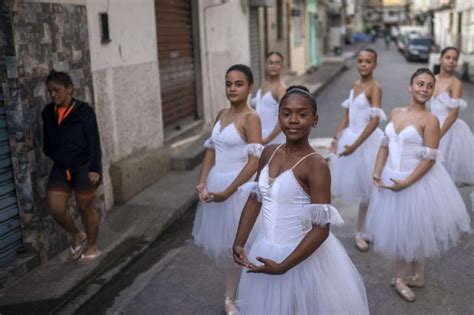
(274, 152)
(302, 159)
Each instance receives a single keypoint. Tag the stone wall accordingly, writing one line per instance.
(40, 37)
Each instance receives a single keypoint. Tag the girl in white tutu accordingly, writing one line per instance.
(231, 159)
(266, 100)
(415, 209)
(457, 141)
(357, 141)
(296, 266)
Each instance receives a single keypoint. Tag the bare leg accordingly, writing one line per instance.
(363, 207)
(361, 238)
(232, 277)
(57, 206)
(418, 278)
(85, 203)
(402, 269)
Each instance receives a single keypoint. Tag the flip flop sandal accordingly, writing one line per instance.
(75, 252)
(89, 258)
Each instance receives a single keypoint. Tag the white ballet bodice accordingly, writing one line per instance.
(267, 109)
(440, 105)
(406, 149)
(231, 149)
(282, 206)
(360, 111)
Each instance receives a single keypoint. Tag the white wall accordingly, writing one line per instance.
(442, 29)
(298, 42)
(224, 40)
(132, 30)
(126, 80)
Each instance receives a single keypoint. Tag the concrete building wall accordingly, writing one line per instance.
(443, 31)
(279, 42)
(126, 80)
(298, 39)
(224, 37)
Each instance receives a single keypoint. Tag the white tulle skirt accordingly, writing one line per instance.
(422, 220)
(327, 282)
(216, 223)
(351, 176)
(457, 147)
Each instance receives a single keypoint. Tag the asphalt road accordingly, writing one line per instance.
(174, 277)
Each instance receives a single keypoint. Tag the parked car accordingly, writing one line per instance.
(402, 40)
(418, 48)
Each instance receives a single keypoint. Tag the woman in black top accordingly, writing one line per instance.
(71, 140)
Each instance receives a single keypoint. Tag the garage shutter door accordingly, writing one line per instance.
(255, 62)
(176, 61)
(10, 230)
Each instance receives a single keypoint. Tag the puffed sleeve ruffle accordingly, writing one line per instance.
(254, 149)
(251, 189)
(319, 214)
(209, 144)
(451, 103)
(457, 103)
(377, 112)
(426, 153)
(346, 103)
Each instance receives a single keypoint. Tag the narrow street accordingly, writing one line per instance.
(175, 277)
(393, 73)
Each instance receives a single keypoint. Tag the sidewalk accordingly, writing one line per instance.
(331, 67)
(62, 286)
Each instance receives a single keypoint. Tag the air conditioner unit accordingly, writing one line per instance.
(261, 3)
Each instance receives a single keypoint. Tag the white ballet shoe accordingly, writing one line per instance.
(229, 306)
(404, 291)
(361, 243)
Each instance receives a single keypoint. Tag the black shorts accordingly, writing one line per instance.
(79, 181)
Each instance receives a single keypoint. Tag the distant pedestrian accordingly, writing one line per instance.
(457, 141)
(267, 98)
(231, 159)
(387, 38)
(415, 211)
(357, 141)
(71, 140)
(297, 266)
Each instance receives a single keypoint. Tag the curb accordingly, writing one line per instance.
(87, 289)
